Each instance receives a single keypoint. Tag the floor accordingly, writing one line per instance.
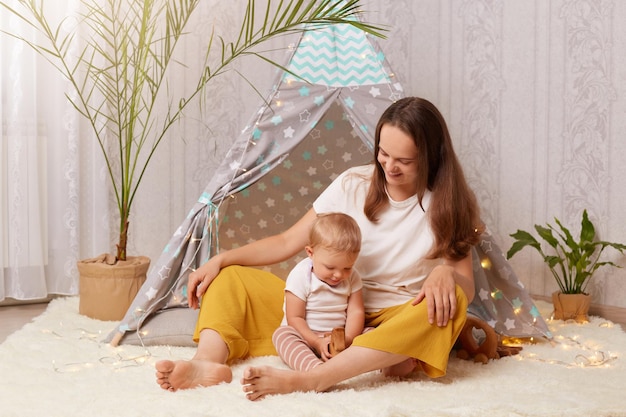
(14, 317)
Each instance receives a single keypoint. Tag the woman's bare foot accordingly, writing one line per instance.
(175, 375)
(401, 369)
(264, 380)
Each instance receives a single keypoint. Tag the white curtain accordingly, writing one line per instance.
(56, 205)
(49, 210)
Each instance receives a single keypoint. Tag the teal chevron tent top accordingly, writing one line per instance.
(340, 56)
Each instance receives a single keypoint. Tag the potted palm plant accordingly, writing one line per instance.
(119, 81)
(572, 264)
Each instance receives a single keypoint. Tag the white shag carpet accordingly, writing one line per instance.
(57, 366)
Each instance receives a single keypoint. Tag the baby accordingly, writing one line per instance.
(323, 292)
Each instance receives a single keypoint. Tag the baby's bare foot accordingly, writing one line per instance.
(175, 375)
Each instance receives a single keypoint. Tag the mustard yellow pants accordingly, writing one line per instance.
(244, 305)
(404, 329)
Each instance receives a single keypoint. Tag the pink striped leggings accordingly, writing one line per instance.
(294, 350)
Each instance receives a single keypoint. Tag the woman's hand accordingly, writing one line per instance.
(440, 294)
(199, 280)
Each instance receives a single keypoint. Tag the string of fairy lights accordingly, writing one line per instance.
(583, 354)
(116, 360)
(590, 354)
(573, 351)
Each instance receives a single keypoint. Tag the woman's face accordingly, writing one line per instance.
(397, 155)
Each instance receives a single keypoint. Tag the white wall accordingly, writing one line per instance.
(533, 92)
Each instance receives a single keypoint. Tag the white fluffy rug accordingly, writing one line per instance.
(57, 366)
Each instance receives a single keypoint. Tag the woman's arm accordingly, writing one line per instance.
(266, 251)
(440, 292)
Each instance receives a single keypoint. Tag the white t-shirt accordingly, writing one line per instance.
(392, 260)
(326, 305)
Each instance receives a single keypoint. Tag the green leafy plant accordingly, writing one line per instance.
(119, 75)
(574, 261)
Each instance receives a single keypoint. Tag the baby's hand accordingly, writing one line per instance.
(323, 347)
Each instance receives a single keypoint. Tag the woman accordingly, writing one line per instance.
(419, 221)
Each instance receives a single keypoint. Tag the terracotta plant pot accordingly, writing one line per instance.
(107, 288)
(571, 306)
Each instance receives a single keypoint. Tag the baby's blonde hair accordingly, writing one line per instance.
(336, 231)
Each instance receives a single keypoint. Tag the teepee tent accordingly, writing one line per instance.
(311, 128)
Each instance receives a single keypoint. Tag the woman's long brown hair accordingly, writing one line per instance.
(453, 212)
